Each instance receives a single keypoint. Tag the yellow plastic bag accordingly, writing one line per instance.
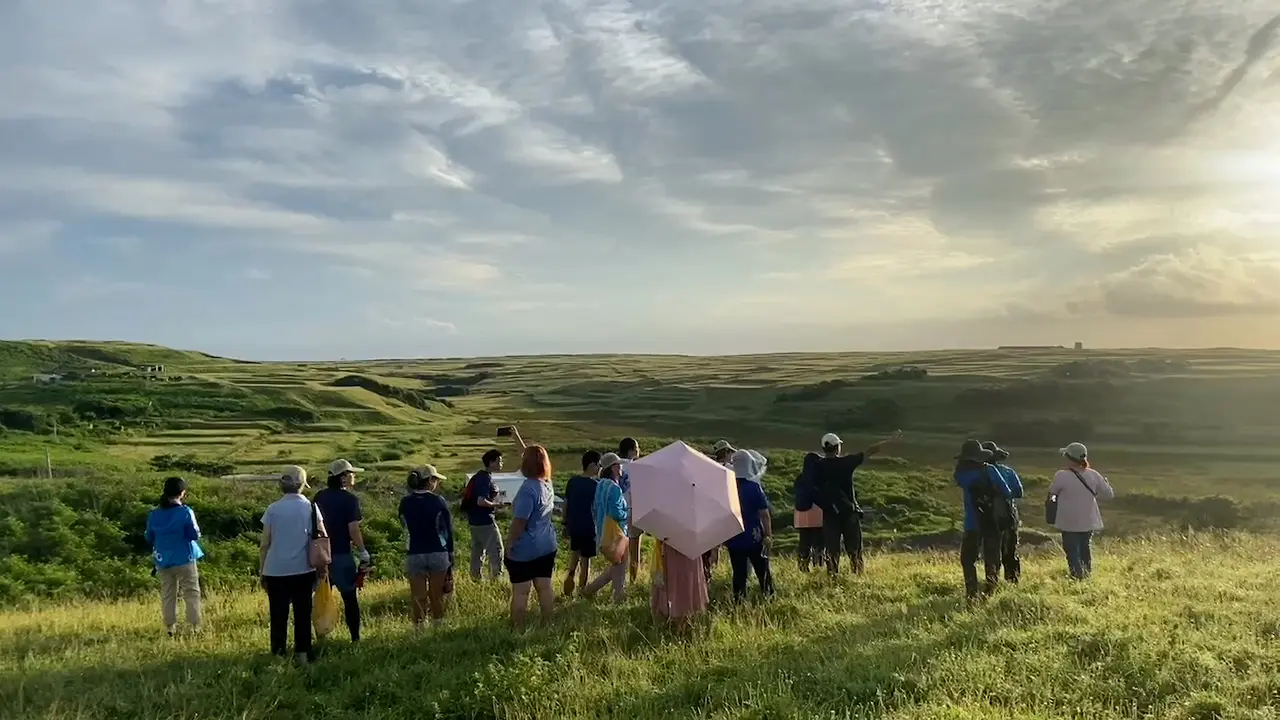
(614, 543)
(324, 609)
(658, 564)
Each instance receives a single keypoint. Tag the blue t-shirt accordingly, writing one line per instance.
(533, 503)
(428, 522)
(481, 487)
(579, 494)
(752, 500)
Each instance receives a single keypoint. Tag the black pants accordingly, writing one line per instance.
(1009, 552)
(986, 543)
(351, 610)
(812, 549)
(283, 593)
(743, 561)
(846, 526)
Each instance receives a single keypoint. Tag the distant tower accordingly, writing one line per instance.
(1079, 346)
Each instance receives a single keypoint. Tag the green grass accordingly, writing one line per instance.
(1173, 626)
(1169, 628)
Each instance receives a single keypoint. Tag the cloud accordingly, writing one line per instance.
(662, 163)
(1199, 282)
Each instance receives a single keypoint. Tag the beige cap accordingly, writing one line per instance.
(293, 478)
(341, 467)
(427, 472)
(608, 460)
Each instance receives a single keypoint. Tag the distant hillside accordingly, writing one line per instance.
(23, 358)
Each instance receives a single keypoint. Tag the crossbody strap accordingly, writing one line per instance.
(1082, 482)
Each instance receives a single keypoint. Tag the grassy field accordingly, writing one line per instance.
(1169, 628)
(1180, 622)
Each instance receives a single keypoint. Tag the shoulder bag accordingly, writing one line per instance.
(319, 552)
(1051, 503)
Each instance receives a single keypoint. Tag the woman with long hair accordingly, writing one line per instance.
(174, 535)
(1078, 488)
(531, 541)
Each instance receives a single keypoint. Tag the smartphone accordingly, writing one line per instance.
(506, 430)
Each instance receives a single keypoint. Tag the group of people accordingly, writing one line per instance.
(304, 542)
(991, 491)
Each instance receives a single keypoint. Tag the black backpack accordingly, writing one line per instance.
(469, 496)
(994, 510)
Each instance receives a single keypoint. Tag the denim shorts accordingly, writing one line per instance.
(343, 571)
(427, 563)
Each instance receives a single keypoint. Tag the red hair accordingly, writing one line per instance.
(535, 464)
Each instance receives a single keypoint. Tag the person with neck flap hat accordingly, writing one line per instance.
(986, 516)
(1009, 557)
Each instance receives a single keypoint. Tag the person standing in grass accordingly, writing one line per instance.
(986, 516)
(1009, 536)
(341, 509)
(174, 537)
(678, 586)
(838, 499)
(750, 549)
(531, 541)
(1078, 488)
(629, 450)
(429, 559)
(612, 518)
(479, 501)
(579, 522)
(284, 563)
(807, 519)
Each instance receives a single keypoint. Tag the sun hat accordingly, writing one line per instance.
(608, 460)
(427, 472)
(342, 467)
(997, 452)
(293, 478)
(972, 450)
(1075, 451)
(722, 446)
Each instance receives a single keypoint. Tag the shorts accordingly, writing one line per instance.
(343, 570)
(523, 571)
(427, 563)
(584, 545)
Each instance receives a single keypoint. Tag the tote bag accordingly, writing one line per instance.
(613, 542)
(320, 553)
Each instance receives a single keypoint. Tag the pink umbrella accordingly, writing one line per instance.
(685, 499)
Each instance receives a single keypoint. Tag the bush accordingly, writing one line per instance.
(191, 464)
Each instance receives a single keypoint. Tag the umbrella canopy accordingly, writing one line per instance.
(685, 499)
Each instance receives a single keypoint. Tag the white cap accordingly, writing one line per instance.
(1075, 451)
(293, 478)
(831, 440)
(341, 467)
(608, 460)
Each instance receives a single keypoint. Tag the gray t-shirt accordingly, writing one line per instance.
(290, 521)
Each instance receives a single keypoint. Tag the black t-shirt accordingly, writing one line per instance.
(833, 479)
(578, 497)
(340, 508)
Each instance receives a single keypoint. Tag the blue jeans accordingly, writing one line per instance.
(1079, 553)
(343, 571)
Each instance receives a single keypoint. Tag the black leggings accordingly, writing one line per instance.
(283, 593)
(743, 561)
(351, 609)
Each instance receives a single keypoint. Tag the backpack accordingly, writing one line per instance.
(994, 510)
(469, 496)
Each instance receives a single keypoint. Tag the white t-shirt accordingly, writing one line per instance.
(1077, 505)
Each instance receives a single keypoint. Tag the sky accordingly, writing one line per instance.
(317, 179)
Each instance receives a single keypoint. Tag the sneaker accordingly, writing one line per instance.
(302, 659)
(172, 630)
